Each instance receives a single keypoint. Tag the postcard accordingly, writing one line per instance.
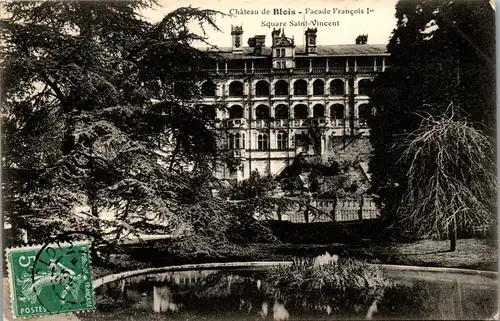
(249, 160)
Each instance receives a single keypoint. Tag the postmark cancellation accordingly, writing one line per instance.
(50, 279)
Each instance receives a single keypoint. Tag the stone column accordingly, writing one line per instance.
(246, 88)
(246, 111)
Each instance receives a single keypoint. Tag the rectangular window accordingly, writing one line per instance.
(301, 139)
(262, 142)
(278, 53)
(282, 52)
(283, 64)
(282, 141)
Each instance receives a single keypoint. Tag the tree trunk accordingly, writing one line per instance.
(453, 235)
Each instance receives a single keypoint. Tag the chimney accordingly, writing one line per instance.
(251, 42)
(311, 40)
(236, 34)
(257, 42)
(361, 39)
(260, 42)
(275, 34)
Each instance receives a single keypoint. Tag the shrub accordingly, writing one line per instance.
(346, 284)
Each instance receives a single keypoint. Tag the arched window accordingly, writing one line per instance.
(300, 112)
(281, 88)
(337, 113)
(262, 142)
(281, 112)
(208, 112)
(300, 88)
(262, 88)
(318, 87)
(365, 87)
(364, 112)
(236, 111)
(262, 112)
(282, 140)
(336, 87)
(236, 89)
(208, 89)
(318, 111)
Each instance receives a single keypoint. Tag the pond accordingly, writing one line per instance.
(244, 295)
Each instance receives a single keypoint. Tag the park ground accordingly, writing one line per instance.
(470, 254)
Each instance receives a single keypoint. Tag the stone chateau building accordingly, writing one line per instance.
(285, 99)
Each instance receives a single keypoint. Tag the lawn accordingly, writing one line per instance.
(470, 254)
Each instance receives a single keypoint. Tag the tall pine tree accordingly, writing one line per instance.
(80, 129)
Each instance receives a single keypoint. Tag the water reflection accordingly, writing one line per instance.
(244, 295)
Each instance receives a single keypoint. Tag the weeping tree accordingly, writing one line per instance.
(99, 134)
(440, 52)
(451, 178)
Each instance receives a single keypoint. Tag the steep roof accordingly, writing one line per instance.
(283, 42)
(322, 50)
(346, 50)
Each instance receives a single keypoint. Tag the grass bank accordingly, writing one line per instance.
(470, 254)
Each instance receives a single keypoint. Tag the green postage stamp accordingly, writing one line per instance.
(50, 279)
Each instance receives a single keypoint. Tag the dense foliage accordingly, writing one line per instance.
(341, 285)
(442, 55)
(97, 121)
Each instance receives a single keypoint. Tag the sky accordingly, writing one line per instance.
(345, 19)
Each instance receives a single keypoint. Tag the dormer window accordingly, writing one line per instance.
(280, 53)
(283, 51)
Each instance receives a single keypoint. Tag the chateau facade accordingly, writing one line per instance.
(285, 100)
